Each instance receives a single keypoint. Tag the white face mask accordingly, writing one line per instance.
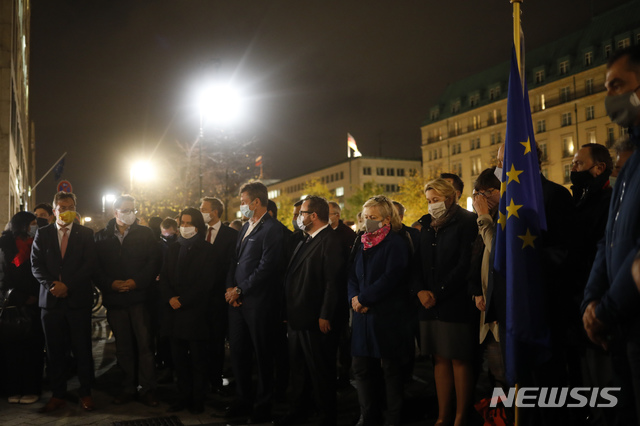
(206, 217)
(437, 210)
(498, 173)
(187, 231)
(127, 218)
(301, 224)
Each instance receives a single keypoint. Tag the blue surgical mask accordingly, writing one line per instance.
(246, 211)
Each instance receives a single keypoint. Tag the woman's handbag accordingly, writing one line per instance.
(15, 321)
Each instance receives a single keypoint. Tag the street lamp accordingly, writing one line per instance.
(107, 198)
(140, 171)
(219, 105)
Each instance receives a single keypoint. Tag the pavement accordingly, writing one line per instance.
(420, 401)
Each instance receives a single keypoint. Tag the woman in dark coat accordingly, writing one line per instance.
(381, 330)
(186, 285)
(448, 315)
(24, 358)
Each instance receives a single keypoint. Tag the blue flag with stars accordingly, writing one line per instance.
(521, 218)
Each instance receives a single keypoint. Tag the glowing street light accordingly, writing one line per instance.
(107, 198)
(141, 171)
(220, 105)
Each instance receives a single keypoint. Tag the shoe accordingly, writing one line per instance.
(87, 403)
(180, 406)
(29, 399)
(123, 398)
(14, 399)
(52, 405)
(149, 398)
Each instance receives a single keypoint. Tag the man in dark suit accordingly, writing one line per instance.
(313, 295)
(128, 262)
(62, 259)
(252, 291)
(223, 240)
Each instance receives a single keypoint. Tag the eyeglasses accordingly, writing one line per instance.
(65, 209)
(128, 211)
(305, 212)
(485, 194)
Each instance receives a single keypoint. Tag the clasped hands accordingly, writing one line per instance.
(232, 297)
(596, 330)
(58, 289)
(427, 299)
(357, 306)
(122, 286)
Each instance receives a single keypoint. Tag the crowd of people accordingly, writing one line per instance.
(313, 308)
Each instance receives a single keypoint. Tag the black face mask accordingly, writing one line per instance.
(582, 179)
(170, 239)
(41, 221)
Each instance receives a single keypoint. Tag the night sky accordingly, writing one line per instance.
(112, 81)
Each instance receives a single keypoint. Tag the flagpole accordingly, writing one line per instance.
(516, 44)
(49, 171)
(516, 31)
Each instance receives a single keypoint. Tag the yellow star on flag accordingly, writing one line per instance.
(513, 174)
(512, 209)
(502, 220)
(527, 239)
(527, 146)
(503, 188)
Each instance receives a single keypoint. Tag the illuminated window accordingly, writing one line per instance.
(340, 191)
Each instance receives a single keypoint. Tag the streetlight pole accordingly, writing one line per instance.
(200, 156)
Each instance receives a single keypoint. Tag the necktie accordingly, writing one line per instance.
(65, 241)
(209, 234)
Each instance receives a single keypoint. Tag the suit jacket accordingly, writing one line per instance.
(135, 258)
(222, 253)
(314, 284)
(74, 270)
(258, 263)
(190, 279)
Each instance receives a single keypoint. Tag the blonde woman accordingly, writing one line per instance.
(379, 296)
(447, 313)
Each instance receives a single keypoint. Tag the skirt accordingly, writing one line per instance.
(450, 340)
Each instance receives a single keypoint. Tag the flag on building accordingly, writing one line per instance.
(351, 146)
(521, 218)
(259, 161)
(58, 169)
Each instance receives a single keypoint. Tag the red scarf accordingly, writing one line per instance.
(24, 251)
(372, 239)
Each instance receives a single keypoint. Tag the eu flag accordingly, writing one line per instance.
(521, 218)
(59, 169)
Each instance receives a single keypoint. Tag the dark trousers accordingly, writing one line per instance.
(251, 331)
(216, 345)
(132, 329)
(312, 356)
(64, 330)
(373, 377)
(23, 362)
(190, 363)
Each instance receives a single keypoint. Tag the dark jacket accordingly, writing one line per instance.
(314, 286)
(20, 279)
(592, 212)
(223, 249)
(136, 258)
(74, 271)
(378, 278)
(610, 280)
(347, 236)
(442, 263)
(257, 265)
(190, 279)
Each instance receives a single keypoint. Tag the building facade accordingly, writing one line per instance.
(346, 177)
(566, 93)
(17, 144)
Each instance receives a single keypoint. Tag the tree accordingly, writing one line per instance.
(285, 210)
(359, 197)
(317, 188)
(411, 196)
